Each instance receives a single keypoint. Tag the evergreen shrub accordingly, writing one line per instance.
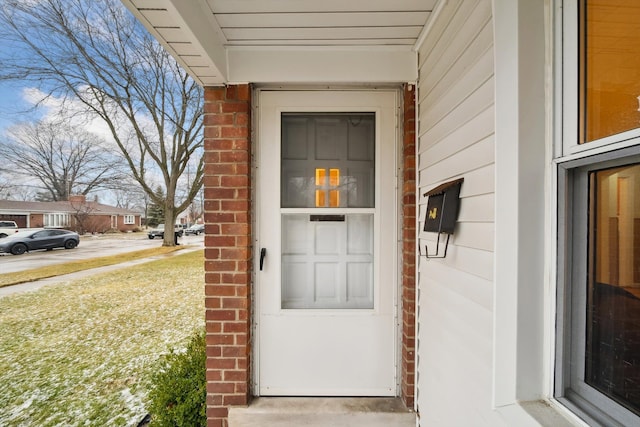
(178, 388)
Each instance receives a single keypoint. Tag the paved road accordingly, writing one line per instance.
(90, 247)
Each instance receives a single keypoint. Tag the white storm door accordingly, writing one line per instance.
(326, 288)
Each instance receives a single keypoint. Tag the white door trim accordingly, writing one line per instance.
(324, 101)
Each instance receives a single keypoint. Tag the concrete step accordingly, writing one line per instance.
(321, 412)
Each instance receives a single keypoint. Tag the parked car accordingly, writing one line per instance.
(7, 228)
(34, 239)
(159, 231)
(195, 229)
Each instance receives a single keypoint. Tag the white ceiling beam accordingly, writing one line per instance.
(307, 65)
(190, 31)
(201, 24)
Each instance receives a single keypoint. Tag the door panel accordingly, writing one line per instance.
(327, 292)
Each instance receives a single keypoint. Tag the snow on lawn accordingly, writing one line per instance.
(80, 353)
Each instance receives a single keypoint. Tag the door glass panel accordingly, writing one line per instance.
(327, 261)
(328, 160)
(613, 297)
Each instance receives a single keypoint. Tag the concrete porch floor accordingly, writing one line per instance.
(322, 412)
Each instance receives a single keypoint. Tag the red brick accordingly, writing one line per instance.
(228, 241)
(218, 314)
(235, 253)
(213, 421)
(217, 143)
(235, 229)
(210, 132)
(220, 217)
(221, 364)
(213, 327)
(234, 303)
(213, 375)
(220, 241)
(221, 412)
(213, 303)
(234, 278)
(235, 107)
(235, 205)
(221, 339)
(220, 193)
(219, 169)
(242, 119)
(244, 92)
(215, 93)
(219, 265)
(235, 376)
(234, 181)
(211, 253)
(234, 351)
(235, 156)
(219, 387)
(213, 353)
(235, 399)
(234, 131)
(235, 327)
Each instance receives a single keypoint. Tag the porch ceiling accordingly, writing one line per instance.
(235, 41)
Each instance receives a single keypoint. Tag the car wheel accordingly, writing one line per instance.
(152, 237)
(18, 249)
(70, 244)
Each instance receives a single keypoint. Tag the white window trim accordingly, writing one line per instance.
(525, 235)
(56, 219)
(566, 270)
(129, 219)
(569, 155)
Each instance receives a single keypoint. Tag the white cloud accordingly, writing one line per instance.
(72, 111)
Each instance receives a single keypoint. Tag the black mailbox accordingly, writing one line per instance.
(442, 212)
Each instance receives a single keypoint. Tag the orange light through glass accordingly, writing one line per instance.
(334, 198)
(334, 177)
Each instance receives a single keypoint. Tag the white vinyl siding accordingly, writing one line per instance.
(455, 294)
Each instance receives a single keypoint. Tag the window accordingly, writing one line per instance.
(129, 219)
(610, 67)
(598, 345)
(58, 220)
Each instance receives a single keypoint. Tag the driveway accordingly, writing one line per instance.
(90, 247)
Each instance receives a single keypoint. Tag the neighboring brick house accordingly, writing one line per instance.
(328, 127)
(76, 214)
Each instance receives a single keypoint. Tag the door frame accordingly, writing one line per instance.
(396, 265)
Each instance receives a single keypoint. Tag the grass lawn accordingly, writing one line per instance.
(85, 264)
(79, 353)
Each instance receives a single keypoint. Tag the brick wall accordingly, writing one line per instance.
(228, 253)
(408, 247)
(227, 215)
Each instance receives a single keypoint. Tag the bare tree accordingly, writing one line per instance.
(65, 160)
(96, 52)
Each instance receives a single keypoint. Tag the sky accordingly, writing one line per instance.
(13, 105)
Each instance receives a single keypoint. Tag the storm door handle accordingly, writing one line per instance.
(263, 253)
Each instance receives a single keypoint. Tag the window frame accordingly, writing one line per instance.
(129, 219)
(568, 115)
(573, 217)
(572, 163)
(56, 220)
